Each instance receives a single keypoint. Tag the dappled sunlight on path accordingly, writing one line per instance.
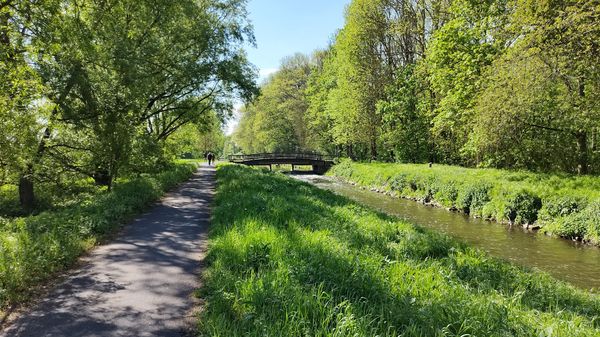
(140, 284)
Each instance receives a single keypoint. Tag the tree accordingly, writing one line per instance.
(126, 73)
(538, 109)
(275, 121)
(457, 57)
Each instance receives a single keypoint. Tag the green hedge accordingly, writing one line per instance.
(36, 247)
(566, 206)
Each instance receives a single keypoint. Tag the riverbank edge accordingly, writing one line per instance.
(37, 285)
(430, 201)
(251, 261)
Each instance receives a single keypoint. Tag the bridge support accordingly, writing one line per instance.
(321, 169)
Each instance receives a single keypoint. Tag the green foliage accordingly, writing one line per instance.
(565, 206)
(275, 122)
(495, 83)
(34, 248)
(91, 89)
(522, 207)
(288, 259)
(473, 197)
(457, 55)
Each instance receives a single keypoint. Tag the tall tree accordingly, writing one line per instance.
(543, 92)
(457, 57)
(276, 121)
(122, 72)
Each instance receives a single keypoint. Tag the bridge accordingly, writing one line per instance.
(319, 163)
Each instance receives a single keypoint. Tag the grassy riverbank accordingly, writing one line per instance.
(34, 248)
(566, 206)
(288, 259)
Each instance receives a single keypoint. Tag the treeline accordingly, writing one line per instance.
(495, 83)
(100, 89)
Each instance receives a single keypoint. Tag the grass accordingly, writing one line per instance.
(288, 259)
(562, 205)
(34, 248)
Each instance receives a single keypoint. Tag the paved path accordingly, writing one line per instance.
(140, 284)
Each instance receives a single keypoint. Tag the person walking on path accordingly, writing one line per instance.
(140, 284)
(211, 158)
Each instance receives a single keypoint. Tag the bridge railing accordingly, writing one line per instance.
(279, 156)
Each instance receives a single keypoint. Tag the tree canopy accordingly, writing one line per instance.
(99, 86)
(495, 83)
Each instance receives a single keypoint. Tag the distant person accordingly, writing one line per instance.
(211, 158)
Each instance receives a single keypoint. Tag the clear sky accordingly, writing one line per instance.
(284, 27)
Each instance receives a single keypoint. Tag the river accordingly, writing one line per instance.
(573, 262)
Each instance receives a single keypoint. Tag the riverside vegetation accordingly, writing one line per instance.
(563, 205)
(35, 248)
(289, 259)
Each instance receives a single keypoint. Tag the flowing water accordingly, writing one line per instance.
(573, 262)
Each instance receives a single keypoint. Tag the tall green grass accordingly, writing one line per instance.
(34, 248)
(288, 259)
(563, 205)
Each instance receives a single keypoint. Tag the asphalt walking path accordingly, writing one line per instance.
(140, 284)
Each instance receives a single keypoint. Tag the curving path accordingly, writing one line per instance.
(141, 284)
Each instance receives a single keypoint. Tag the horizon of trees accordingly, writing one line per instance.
(494, 83)
(105, 89)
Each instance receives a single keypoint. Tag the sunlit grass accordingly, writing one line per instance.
(288, 259)
(34, 248)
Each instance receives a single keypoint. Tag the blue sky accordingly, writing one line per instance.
(284, 27)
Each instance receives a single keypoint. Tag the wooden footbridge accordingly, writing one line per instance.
(319, 163)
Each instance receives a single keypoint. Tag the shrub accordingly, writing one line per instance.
(522, 207)
(473, 197)
(399, 182)
(583, 225)
(501, 195)
(447, 193)
(560, 206)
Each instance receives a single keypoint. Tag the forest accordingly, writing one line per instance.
(101, 90)
(495, 83)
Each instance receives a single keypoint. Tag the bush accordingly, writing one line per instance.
(447, 194)
(560, 206)
(399, 182)
(583, 225)
(471, 198)
(522, 207)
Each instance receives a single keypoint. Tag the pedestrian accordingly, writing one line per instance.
(211, 158)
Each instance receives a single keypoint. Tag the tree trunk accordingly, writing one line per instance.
(350, 151)
(373, 148)
(582, 153)
(102, 178)
(26, 192)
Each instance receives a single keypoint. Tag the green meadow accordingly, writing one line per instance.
(289, 259)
